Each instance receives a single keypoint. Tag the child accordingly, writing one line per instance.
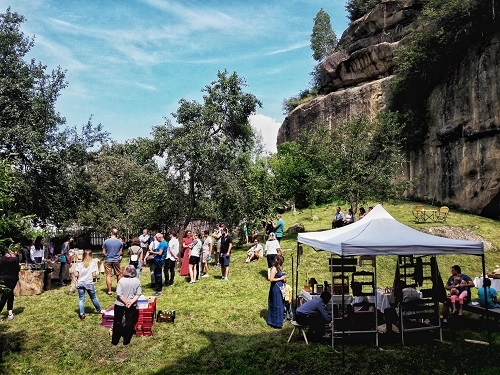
(85, 272)
(288, 302)
(458, 292)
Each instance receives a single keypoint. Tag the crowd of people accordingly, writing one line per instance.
(191, 257)
(339, 219)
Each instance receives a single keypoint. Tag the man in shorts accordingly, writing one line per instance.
(112, 249)
(225, 253)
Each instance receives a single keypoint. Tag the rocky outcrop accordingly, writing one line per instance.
(458, 164)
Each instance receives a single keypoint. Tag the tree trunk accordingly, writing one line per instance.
(30, 283)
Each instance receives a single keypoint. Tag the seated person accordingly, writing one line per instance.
(391, 314)
(491, 301)
(468, 283)
(255, 252)
(349, 218)
(457, 294)
(314, 314)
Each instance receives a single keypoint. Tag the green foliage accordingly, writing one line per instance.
(210, 150)
(128, 191)
(323, 38)
(355, 161)
(358, 8)
(450, 29)
(293, 102)
(46, 162)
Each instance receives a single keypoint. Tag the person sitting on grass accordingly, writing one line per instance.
(255, 252)
(491, 301)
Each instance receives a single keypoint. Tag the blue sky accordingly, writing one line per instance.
(129, 62)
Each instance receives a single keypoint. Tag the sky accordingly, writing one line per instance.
(129, 62)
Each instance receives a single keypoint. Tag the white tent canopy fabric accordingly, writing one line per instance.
(378, 233)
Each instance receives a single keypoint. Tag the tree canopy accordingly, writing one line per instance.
(323, 38)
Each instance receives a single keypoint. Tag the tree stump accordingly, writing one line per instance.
(30, 283)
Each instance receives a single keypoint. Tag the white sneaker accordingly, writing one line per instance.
(10, 316)
(102, 312)
(205, 275)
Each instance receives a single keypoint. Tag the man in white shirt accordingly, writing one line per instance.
(171, 259)
(255, 252)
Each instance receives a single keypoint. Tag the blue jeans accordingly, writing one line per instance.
(90, 289)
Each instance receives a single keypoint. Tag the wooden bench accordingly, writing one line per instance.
(476, 309)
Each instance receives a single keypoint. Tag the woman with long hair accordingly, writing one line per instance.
(275, 301)
(85, 272)
(9, 275)
(186, 241)
(128, 292)
(37, 251)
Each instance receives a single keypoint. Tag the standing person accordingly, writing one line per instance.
(225, 253)
(275, 302)
(194, 257)
(112, 249)
(279, 227)
(245, 229)
(136, 255)
(149, 258)
(159, 253)
(128, 292)
(272, 246)
(37, 251)
(24, 255)
(66, 246)
(9, 275)
(217, 235)
(144, 238)
(338, 219)
(468, 283)
(206, 252)
(186, 241)
(85, 272)
(171, 259)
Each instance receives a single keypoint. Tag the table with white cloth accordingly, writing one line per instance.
(384, 300)
(495, 283)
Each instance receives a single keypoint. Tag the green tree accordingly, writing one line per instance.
(360, 159)
(46, 162)
(128, 190)
(323, 38)
(212, 145)
(358, 8)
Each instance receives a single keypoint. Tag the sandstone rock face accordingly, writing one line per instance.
(459, 162)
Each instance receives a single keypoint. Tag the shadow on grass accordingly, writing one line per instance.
(10, 342)
(270, 353)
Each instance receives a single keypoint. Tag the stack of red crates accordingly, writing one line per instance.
(146, 318)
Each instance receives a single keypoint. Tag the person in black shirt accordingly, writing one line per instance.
(225, 253)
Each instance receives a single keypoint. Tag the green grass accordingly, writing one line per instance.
(220, 326)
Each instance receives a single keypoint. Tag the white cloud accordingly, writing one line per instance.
(269, 129)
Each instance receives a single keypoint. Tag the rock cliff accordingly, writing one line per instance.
(458, 163)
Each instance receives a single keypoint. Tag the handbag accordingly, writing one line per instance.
(62, 259)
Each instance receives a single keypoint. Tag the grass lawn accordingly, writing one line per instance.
(221, 329)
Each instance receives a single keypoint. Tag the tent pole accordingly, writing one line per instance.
(486, 306)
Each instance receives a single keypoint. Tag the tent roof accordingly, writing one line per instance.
(378, 233)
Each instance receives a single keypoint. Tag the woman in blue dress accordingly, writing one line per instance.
(276, 306)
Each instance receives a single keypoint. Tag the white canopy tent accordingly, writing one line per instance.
(378, 233)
